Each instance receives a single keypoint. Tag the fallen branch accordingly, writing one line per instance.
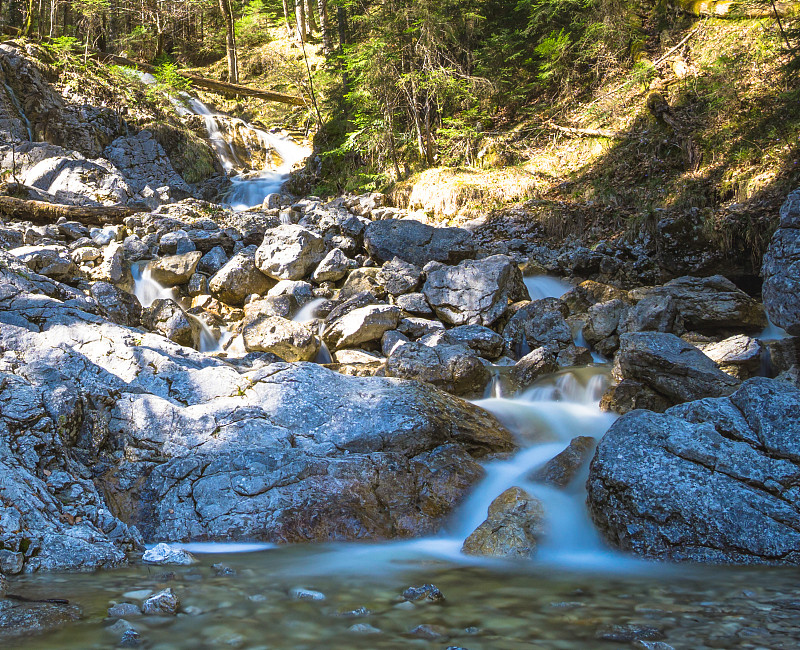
(592, 133)
(673, 49)
(44, 213)
(221, 87)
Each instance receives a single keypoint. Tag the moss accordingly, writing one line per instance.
(191, 156)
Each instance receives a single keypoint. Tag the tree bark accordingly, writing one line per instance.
(300, 11)
(287, 15)
(230, 40)
(47, 213)
(324, 26)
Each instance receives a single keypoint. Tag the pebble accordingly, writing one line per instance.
(363, 628)
(298, 593)
(424, 592)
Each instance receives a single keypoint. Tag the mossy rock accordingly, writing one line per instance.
(190, 155)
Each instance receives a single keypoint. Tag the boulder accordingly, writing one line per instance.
(360, 281)
(561, 470)
(117, 305)
(740, 356)
(332, 268)
(289, 340)
(166, 317)
(415, 328)
(541, 361)
(212, 261)
(485, 342)
(537, 323)
(52, 261)
(670, 367)
(654, 313)
(174, 270)
(361, 326)
(399, 277)
(474, 291)
(414, 303)
(239, 278)
(417, 243)
(515, 521)
(289, 252)
(112, 267)
(454, 368)
(781, 269)
(713, 480)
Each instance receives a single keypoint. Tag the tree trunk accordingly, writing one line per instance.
(310, 22)
(47, 213)
(324, 26)
(28, 24)
(230, 40)
(300, 11)
(287, 15)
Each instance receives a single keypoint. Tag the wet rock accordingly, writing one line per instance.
(655, 313)
(628, 395)
(239, 278)
(363, 628)
(537, 323)
(289, 252)
(429, 632)
(130, 639)
(474, 291)
(674, 369)
(166, 554)
(117, 305)
(711, 303)
(417, 243)
(740, 356)
(165, 602)
(17, 620)
(707, 481)
(454, 368)
(515, 521)
(781, 269)
(299, 593)
(124, 610)
(361, 326)
(561, 470)
(173, 270)
(603, 320)
(332, 268)
(167, 318)
(628, 633)
(399, 277)
(541, 361)
(414, 303)
(574, 355)
(222, 570)
(51, 261)
(289, 340)
(426, 592)
(482, 340)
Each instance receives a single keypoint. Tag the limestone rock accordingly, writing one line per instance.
(166, 554)
(781, 269)
(165, 602)
(51, 261)
(474, 291)
(332, 268)
(417, 243)
(166, 317)
(289, 340)
(454, 368)
(289, 252)
(399, 277)
(239, 278)
(414, 303)
(562, 469)
(535, 324)
(482, 340)
(708, 481)
(174, 270)
(117, 305)
(739, 356)
(361, 326)
(515, 521)
(541, 361)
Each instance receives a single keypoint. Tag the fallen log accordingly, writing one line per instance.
(738, 8)
(221, 87)
(592, 133)
(41, 212)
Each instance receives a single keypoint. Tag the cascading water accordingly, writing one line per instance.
(18, 107)
(308, 314)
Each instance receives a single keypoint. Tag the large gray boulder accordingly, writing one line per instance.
(239, 278)
(417, 243)
(537, 323)
(709, 481)
(289, 252)
(452, 367)
(289, 340)
(475, 292)
(174, 270)
(53, 261)
(361, 326)
(781, 269)
(166, 317)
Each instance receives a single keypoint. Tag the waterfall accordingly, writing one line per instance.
(15, 101)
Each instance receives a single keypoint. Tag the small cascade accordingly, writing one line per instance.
(307, 314)
(18, 107)
(772, 332)
(581, 342)
(546, 286)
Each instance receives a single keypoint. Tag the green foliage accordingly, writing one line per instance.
(170, 79)
(553, 50)
(61, 49)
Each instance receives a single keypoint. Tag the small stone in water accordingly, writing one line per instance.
(363, 628)
(257, 598)
(405, 605)
(130, 639)
(430, 632)
(298, 593)
(628, 633)
(427, 592)
(355, 613)
(192, 610)
(120, 627)
(166, 554)
(223, 570)
(139, 594)
(652, 645)
(164, 602)
(122, 610)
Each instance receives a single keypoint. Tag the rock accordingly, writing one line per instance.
(482, 340)
(84, 254)
(363, 280)
(574, 355)
(223, 570)
(11, 562)
(515, 521)
(603, 320)
(130, 639)
(561, 470)
(272, 201)
(298, 593)
(426, 592)
(176, 242)
(710, 303)
(25, 619)
(300, 291)
(708, 481)
(165, 602)
(417, 243)
(289, 340)
(589, 293)
(537, 323)
(416, 328)
(628, 395)
(454, 368)
(283, 306)
(173, 270)
(674, 369)
(541, 361)
(390, 340)
(363, 628)
(124, 610)
(361, 326)
(399, 277)
(112, 268)
(51, 261)
(332, 268)
(781, 268)
(117, 305)
(351, 304)
(239, 278)
(739, 356)
(212, 261)
(167, 318)
(166, 554)
(429, 632)
(289, 252)
(628, 633)
(3, 586)
(414, 303)
(354, 356)
(198, 285)
(475, 291)
(654, 313)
